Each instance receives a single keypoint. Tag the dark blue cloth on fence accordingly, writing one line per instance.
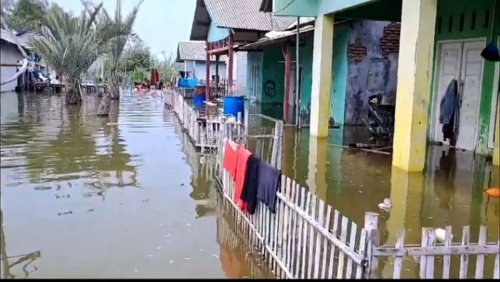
(249, 193)
(269, 184)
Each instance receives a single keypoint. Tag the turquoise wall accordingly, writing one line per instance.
(254, 75)
(340, 70)
(216, 33)
(273, 69)
(302, 8)
(306, 58)
(332, 6)
(482, 29)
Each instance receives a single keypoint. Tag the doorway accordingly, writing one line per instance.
(290, 104)
(461, 61)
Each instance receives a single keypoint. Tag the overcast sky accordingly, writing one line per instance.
(160, 23)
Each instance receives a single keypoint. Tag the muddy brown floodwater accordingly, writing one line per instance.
(450, 192)
(128, 196)
(121, 197)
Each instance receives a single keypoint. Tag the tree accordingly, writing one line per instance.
(116, 72)
(25, 14)
(165, 67)
(137, 56)
(71, 44)
(114, 66)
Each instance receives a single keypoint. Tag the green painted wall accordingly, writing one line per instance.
(340, 70)
(302, 8)
(332, 6)
(444, 31)
(254, 72)
(274, 70)
(306, 58)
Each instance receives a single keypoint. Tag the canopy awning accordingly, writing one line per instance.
(273, 38)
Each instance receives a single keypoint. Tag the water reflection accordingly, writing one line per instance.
(124, 196)
(448, 193)
(10, 262)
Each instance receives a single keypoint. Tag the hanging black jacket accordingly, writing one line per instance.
(449, 115)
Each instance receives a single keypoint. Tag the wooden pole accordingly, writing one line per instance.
(217, 73)
(288, 86)
(298, 121)
(230, 62)
(207, 82)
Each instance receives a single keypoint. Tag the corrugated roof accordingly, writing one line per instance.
(244, 14)
(193, 51)
(234, 14)
(273, 38)
(23, 39)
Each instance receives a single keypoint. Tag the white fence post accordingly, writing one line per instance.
(372, 241)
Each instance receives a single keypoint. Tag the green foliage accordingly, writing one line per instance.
(25, 14)
(139, 75)
(72, 44)
(114, 65)
(137, 56)
(165, 67)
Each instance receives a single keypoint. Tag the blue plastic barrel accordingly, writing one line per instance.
(234, 105)
(199, 101)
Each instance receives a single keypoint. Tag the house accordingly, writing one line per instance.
(227, 24)
(10, 56)
(439, 40)
(363, 49)
(193, 56)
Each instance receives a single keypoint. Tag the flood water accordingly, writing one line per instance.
(127, 196)
(119, 197)
(449, 193)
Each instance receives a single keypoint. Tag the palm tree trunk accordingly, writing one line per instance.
(105, 104)
(115, 92)
(74, 93)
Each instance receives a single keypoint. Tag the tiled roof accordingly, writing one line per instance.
(244, 14)
(193, 51)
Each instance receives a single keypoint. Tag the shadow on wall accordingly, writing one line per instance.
(372, 66)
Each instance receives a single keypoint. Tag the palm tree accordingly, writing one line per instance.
(114, 64)
(115, 73)
(72, 44)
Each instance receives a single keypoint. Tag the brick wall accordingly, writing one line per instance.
(356, 51)
(390, 40)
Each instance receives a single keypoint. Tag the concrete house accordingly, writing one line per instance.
(10, 55)
(451, 36)
(192, 55)
(225, 25)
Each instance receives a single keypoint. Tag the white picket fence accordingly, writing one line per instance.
(307, 238)
(202, 130)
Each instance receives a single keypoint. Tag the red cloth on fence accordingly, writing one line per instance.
(230, 158)
(241, 175)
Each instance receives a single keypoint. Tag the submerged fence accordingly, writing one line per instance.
(307, 238)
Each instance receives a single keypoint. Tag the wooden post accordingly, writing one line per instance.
(371, 227)
(217, 73)
(230, 62)
(207, 82)
(288, 86)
